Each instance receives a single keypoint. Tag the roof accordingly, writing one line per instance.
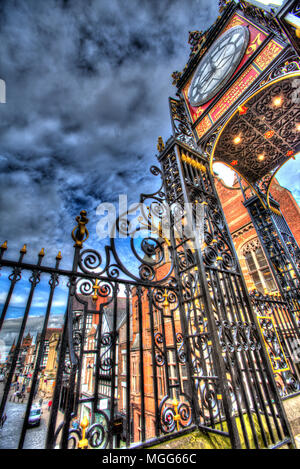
(108, 308)
(49, 332)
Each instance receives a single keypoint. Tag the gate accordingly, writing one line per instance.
(280, 331)
(158, 338)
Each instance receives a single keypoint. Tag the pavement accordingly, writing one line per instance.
(15, 411)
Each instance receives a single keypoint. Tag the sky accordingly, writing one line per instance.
(87, 87)
(87, 97)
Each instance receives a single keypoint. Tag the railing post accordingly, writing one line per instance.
(79, 235)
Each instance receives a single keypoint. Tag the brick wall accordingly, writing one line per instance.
(239, 221)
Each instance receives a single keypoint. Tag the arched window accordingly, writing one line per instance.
(258, 266)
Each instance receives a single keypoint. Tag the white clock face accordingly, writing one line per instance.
(218, 65)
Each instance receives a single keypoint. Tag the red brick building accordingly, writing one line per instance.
(165, 357)
(252, 259)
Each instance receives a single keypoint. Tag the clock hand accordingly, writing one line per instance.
(207, 84)
(220, 52)
(205, 77)
(225, 62)
(220, 72)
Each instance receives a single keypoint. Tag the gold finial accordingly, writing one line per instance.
(160, 144)
(24, 249)
(4, 245)
(80, 232)
(177, 415)
(42, 252)
(95, 288)
(59, 256)
(165, 295)
(83, 443)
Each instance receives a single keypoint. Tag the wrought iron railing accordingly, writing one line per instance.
(147, 350)
(280, 329)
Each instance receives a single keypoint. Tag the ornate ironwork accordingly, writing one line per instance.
(281, 332)
(80, 233)
(288, 63)
(288, 18)
(201, 41)
(279, 244)
(95, 284)
(282, 253)
(189, 322)
(220, 329)
(94, 436)
(173, 305)
(263, 17)
(262, 139)
(174, 415)
(180, 123)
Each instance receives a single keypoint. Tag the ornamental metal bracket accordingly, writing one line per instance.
(80, 232)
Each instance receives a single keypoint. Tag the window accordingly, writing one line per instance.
(160, 381)
(124, 396)
(172, 367)
(156, 317)
(135, 375)
(258, 267)
(124, 363)
(45, 354)
(89, 321)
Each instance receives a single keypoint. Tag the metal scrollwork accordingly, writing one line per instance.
(96, 436)
(90, 261)
(263, 17)
(209, 400)
(80, 232)
(107, 342)
(180, 122)
(159, 355)
(147, 250)
(174, 415)
(180, 348)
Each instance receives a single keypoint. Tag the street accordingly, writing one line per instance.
(10, 433)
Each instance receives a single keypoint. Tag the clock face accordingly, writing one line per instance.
(218, 65)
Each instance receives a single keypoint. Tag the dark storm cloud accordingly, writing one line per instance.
(87, 96)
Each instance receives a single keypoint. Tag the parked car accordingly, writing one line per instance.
(34, 418)
(1, 378)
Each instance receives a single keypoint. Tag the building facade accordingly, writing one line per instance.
(254, 264)
(48, 374)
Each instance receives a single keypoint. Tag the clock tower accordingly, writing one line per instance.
(239, 104)
(234, 104)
